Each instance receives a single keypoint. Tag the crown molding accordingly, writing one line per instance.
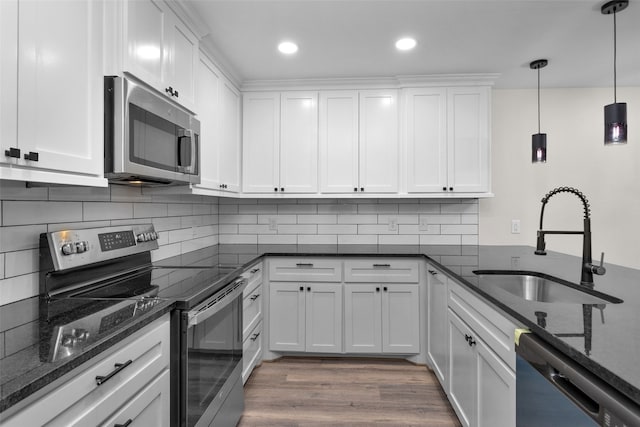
(395, 82)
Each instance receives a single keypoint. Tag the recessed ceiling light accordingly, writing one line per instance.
(288, 48)
(406, 43)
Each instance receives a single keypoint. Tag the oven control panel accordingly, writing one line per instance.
(77, 248)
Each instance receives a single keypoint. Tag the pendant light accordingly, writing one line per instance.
(538, 140)
(615, 115)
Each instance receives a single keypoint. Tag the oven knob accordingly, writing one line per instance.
(68, 340)
(81, 334)
(68, 248)
(153, 235)
(81, 247)
(140, 237)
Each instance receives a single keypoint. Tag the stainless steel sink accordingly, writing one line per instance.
(539, 287)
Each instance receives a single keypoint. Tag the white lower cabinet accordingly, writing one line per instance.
(138, 391)
(252, 316)
(438, 332)
(305, 317)
(382, 318)
(482, 381)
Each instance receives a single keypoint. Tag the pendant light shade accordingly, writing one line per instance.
(538, 140)
(615, 115)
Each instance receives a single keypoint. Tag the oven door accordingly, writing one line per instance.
(211, 364)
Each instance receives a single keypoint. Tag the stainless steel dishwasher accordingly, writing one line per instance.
(554, 391)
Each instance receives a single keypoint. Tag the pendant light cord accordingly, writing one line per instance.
(615, 100)
(539, 99)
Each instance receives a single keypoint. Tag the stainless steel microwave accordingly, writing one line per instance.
(149, 140)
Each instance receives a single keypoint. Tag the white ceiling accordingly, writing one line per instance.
(355, 38)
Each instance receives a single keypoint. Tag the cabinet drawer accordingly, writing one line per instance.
(305, 270)
(492, 327)
(254, 278)
(251, 310)
(150, 407)
(251, 351)
(70, 403)
(382, 271)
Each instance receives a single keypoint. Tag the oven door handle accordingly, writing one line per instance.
(217, 302)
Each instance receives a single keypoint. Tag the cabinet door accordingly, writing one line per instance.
(363, 318)
(228, 157)
(207, 103)
(462, 371)
(150, 407)
(324, 317)
(181, 61)
(437, 336)
(144, 52)
(286, 317)
(426, 134)
(261, 142)
(338, 139)
(496, 405)
(400, 319)
(379, 141)
(299, 142)
(468, 139)
(8, 76)
(60, 102)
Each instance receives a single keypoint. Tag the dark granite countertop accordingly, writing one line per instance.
(606, 344)
(610, 355)
(24, 373)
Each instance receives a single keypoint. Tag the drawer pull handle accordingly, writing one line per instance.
(254, 297)
(382, 265)
(304, 265)
(129, 421)
(255, 336)
(119, 367)
(433, 272)
(254, 271)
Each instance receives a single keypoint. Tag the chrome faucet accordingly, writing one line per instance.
(588, 268)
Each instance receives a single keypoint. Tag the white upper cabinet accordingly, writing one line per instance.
(359, 141)
(207, 95)
(158, 48)
(51, 109)
(229, 147)
(468, 139)
(339, 142)
(447, 140)
(260, 142)
(218, 105)
(299, 142)
(426, 133)
(379, 141)
(280, 142)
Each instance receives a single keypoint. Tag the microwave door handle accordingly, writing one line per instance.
(184, 150)
(194, 153)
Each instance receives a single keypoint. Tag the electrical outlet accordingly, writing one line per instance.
(515, 226)
(393, 224)
(424, 224)
(273, 224)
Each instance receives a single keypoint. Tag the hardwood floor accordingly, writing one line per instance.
(300, 392)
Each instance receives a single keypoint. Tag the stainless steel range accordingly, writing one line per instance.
(93, 281)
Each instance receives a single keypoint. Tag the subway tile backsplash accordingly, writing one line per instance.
(186, 223)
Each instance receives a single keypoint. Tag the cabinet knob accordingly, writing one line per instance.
(444, 188)
(275, 189)
(355, 189)
(33, 156)
(377, 289)
(12, 152)
(308, 288)
(302, 288)
(281, 188)
(361, 188)
(450, 188)
(384, 289)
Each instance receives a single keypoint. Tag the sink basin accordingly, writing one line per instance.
(539, 287)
